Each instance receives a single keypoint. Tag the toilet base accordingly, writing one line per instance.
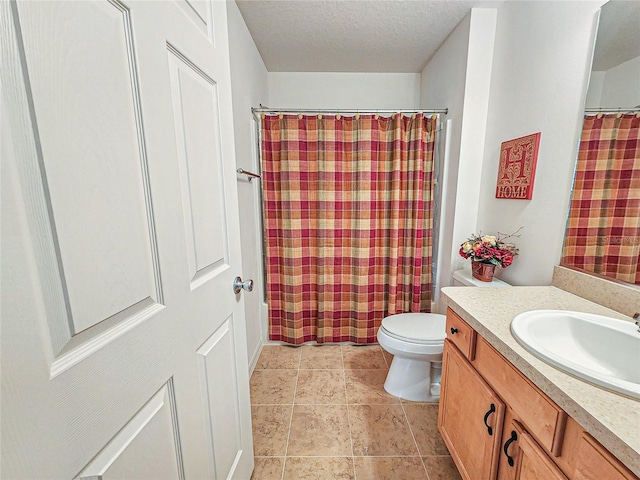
(414, 380)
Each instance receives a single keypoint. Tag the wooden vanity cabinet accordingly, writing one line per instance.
(491, 413)
(470, 417)
(481, 433)
(521, 457)
(594, 462)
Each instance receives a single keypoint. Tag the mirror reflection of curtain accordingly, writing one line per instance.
(348, 205)
(603, 229)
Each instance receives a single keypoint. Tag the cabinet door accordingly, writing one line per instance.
(596, 463)
(470, 417)
(525, 458)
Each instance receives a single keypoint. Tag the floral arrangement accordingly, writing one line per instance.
(489, 249)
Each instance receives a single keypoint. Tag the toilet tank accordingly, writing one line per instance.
(463, 278)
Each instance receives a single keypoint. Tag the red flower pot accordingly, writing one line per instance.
(482, 271)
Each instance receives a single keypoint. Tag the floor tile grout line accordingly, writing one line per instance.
(353, 404)
(386, 362)
(348, 456)
(320, 369)
(346, 397)
(414, 440)
(295, 388)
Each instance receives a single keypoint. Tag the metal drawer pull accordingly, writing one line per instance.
(513, 438)
(492, 409)
(454, 331)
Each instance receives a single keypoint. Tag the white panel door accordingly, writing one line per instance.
(123, 344)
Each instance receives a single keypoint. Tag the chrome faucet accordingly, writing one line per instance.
(636, 317)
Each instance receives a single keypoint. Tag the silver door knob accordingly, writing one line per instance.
(238, 285)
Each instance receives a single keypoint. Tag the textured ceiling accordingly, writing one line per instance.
(393, 35)
(351, 35)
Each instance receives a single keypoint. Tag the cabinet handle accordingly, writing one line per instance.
(513, 438)
(454, 331)
(486, 416)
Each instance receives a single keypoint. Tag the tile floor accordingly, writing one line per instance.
(321, 412)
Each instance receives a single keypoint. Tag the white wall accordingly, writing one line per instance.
(458, 77)
(540, 66)
(621, 87)
(594, 94)
(249, 88)
(616, 87)
(344, 90)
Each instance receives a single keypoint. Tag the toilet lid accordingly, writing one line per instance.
(423, 328)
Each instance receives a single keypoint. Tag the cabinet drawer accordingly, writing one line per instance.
(542, 417)
(461, 334)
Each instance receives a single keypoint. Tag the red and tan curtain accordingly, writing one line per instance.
(348, 207)
(603, 232)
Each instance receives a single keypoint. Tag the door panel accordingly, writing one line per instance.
(199, 12)
(223, 408)
(200, 154)
(105, 336)
(146, 447)
(79, 69)
(93, 172)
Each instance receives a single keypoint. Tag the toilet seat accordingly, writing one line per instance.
(418, 328)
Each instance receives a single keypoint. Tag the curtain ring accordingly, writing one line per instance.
(300, 115)
(281, 115)
(319, 116)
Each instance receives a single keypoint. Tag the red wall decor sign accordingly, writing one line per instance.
(518, 167)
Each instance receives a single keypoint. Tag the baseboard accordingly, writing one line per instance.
(254, 358)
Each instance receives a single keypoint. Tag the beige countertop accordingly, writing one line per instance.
(614, 420)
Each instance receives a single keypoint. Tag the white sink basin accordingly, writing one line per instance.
(600, 350)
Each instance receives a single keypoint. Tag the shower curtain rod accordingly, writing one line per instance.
(263, 109)
(613, 110)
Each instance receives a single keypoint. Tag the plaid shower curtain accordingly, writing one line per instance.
(603, 231)
(348, 207)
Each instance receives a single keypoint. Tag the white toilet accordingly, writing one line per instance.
(416, 341)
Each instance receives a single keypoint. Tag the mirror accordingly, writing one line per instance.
(603, 227)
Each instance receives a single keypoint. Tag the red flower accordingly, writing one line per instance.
(488, 249)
